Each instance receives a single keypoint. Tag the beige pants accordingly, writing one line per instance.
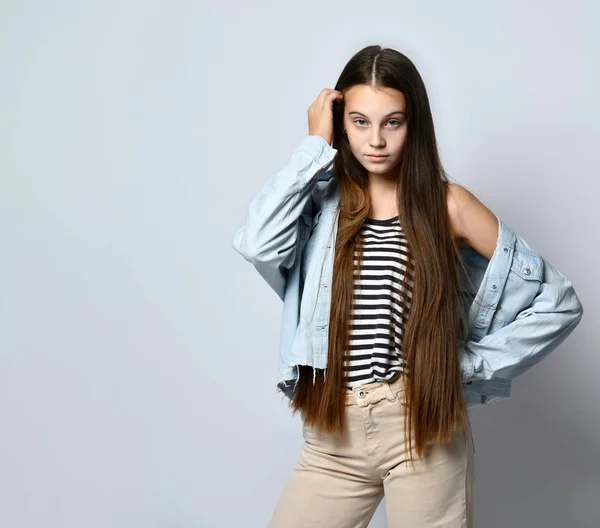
(338, 482)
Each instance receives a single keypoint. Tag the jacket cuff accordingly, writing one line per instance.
(321, 151)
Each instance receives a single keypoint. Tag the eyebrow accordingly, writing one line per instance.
(390, 114)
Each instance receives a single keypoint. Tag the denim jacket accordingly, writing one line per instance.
(518, 306)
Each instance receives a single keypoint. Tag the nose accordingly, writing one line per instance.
(376, 139)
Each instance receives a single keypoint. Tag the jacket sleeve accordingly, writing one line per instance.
(535, 332)
(270, 237)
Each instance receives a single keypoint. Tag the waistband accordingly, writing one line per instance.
(375, 391)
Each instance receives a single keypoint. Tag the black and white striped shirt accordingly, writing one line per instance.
(374, 352)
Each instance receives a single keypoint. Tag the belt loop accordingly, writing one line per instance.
(396, 380)
(389, 393)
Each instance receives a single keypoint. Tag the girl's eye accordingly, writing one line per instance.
(390, 121)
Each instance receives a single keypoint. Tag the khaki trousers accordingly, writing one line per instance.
(338, 482)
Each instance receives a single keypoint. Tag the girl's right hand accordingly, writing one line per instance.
(320, 114)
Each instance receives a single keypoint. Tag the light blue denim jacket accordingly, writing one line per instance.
(518, 306)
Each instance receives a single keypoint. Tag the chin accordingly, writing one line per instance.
(380, 168)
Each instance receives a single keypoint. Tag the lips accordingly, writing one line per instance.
(376, 156)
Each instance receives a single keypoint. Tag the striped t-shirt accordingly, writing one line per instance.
(378, 310)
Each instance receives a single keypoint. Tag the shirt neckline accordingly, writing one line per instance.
(381, 222)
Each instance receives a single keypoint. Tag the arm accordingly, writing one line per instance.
(537, 329)
(269, 238)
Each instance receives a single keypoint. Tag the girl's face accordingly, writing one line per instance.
(375, 123)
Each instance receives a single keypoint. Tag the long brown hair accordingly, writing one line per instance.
(430, 333)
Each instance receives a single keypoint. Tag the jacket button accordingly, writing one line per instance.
(493, 286)
(505, 250)
(527, 271)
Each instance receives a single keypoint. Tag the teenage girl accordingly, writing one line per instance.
(387, 417)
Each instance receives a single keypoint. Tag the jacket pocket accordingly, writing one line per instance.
(522, 285)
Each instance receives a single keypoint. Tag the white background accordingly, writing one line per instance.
(139, 351)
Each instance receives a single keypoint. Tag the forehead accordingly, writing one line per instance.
(371, 100)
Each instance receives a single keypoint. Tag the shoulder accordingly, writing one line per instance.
(455, 200)
(471, 221)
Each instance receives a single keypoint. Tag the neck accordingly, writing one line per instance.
(384, 195)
